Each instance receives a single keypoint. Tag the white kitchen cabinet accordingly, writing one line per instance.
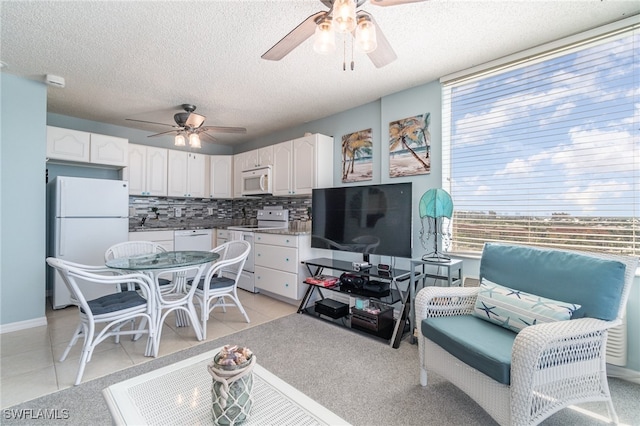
(277, 263)
(259, 157)
(109, 150)
(282, 168)
(147, 170)
(221, 176)
(186, 174)
(302, 164)
(249, 160)
(69, 145)
(240, 163)
(164, 238)
(87, 148)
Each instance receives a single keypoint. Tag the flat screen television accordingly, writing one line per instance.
(369, 219)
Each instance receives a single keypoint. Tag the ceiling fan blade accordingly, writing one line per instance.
(194, 120)
(165, 133)
(221, 129)
(384, 53)
(294, 38)
(393, 2)
(151, 122)
(208, 137)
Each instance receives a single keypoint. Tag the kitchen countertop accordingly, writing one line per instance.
(171, 228)
(283, 232)
(288, 231)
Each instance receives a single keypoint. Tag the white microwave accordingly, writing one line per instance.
(257, 181)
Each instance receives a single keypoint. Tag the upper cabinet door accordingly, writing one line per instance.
(136, 170)
(66, 144)
(265, 156)
(238, 167)
(196, 179)
(178, 164)
(109, 150)
(221, 176)
(282, 158)
(147, 170)
(304, 165)
(156, 171)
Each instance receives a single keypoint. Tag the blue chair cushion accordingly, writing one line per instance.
(115, 302)
(478, 343)
(163, 281)
(593, 283)
(216, 283)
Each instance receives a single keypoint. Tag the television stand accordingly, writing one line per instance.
(379, 288)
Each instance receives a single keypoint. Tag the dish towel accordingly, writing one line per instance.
(235, 235)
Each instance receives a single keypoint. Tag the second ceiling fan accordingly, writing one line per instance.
(344, 17)
(189, 126)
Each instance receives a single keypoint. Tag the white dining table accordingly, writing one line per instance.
(180, 299)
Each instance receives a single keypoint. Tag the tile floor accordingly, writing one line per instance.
(29, 365)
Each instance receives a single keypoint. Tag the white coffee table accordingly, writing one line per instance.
(181, 394)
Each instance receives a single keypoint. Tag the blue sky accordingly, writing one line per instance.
(562, 135)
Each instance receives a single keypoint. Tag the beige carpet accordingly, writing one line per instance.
(361, 379)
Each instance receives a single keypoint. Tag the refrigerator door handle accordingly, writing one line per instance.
(61, 238)
(60, 201)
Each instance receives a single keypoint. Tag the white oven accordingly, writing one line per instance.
(257, 181)
(268, 218)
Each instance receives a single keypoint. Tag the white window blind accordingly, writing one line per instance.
(547, 151)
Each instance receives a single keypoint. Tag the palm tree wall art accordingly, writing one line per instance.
(357, 161)
(409, 146)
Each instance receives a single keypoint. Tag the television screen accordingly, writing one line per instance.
(370, 219)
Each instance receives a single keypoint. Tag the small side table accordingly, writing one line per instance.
(452, 275)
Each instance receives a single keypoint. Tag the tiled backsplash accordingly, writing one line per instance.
(160, 212)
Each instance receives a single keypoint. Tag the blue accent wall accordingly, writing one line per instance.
(22, 199)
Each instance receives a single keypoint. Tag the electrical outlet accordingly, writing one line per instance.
(210, 211)
(178, 212)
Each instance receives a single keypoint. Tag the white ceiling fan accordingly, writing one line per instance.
(343, 16)
(189, 125)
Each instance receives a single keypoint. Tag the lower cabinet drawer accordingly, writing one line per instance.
(278, 282)
(276, 257)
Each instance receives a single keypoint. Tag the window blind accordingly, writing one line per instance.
(546, 151)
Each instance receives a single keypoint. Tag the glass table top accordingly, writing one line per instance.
(165, 260)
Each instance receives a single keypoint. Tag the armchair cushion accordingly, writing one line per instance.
(478, 343)
(115, 302)
(216, 282)
(515, 309)
(591, 282)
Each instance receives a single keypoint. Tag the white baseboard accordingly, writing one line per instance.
(623, 373)
(23, 325)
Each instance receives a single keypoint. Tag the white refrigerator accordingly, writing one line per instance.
(90, 215)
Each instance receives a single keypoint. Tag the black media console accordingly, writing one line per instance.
(377, 288)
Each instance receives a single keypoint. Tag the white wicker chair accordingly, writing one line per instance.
(133, 248)
(222, 281)
(553, 365)
(113, 310)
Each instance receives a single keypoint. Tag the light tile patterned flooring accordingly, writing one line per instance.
(29, 359)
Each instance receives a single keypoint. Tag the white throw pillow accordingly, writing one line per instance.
(515, 310)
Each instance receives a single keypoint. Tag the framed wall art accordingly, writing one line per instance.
(409, 146)
(357, 159)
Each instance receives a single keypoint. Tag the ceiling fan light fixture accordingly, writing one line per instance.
(194, 141)
(179, 140)
(344, 15)
(325, 37)
(366, 34)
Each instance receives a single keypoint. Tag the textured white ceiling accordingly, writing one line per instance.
(142, 59)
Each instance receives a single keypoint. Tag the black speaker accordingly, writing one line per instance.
(351, 280)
